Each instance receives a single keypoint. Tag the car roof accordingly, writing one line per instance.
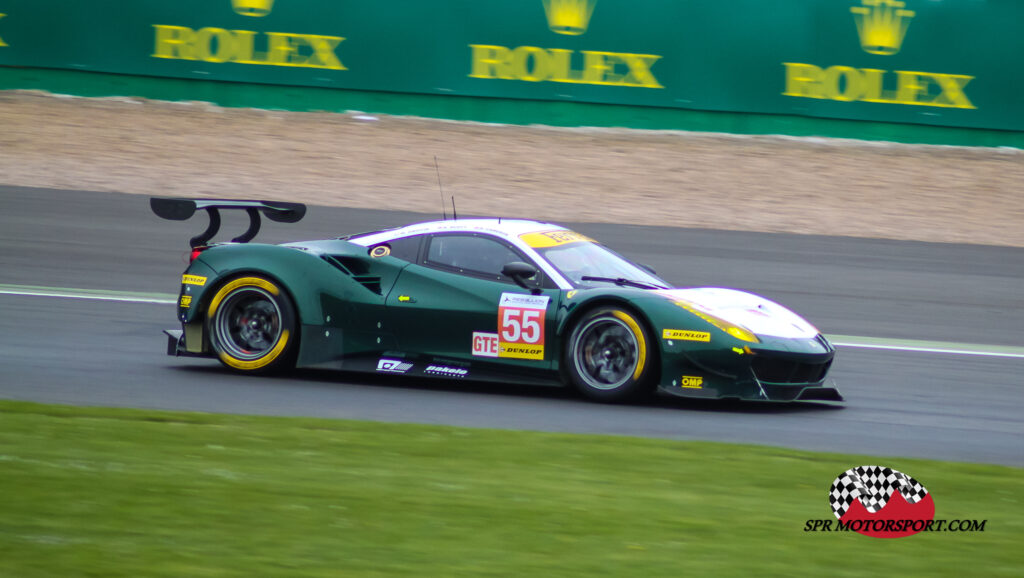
(510, 229)
(524, 234)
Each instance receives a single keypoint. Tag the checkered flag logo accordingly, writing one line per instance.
(873, 486)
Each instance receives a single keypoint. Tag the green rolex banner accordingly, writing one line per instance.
(950, 63)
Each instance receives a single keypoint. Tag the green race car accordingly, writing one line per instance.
(484, 299)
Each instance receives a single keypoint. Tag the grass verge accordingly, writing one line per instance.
(115, 492)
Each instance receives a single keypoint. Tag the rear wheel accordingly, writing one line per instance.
(608, 356)
(252, 325)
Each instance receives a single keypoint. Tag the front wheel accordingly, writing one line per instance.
(252, 325)
(608, 356)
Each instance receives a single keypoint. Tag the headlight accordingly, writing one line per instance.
(742, 334)
(737, 331)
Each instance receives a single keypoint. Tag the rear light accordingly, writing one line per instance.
(195, 253)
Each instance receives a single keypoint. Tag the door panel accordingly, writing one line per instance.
(451, 315)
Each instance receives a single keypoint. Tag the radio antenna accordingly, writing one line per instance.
(455, 215)
(437, 169)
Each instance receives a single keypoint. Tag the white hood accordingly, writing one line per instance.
(759, 315)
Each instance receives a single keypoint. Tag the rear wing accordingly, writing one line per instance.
(177, 209)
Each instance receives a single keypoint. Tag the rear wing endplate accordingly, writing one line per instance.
(177, 209)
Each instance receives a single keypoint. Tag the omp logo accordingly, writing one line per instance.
(881, 26)
(393, 366)
(536, 64)
(186, 301)
(256, 8)
(569, 16)
(221, 45)
(2, 43)
(447, 371)
(692, 382)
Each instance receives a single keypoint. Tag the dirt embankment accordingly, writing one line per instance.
(820, 186)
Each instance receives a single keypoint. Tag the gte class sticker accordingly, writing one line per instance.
(521, 325)
(485, 344)
(393, 366)
(683, 335)
(193, 280)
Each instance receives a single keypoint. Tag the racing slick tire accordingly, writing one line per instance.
(252, 325)
(608, 356)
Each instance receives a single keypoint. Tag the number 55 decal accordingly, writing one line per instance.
(521, 325)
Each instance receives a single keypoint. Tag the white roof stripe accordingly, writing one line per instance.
(507, 229)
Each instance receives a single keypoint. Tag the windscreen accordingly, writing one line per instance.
(585, 259)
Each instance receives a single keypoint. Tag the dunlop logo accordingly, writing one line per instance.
(686, 335)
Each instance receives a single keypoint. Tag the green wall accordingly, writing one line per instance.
(642, 63)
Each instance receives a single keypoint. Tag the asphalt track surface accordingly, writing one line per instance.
(900, 403)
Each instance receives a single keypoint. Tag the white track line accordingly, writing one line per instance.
(929, 349)
(837, 340)
(97, 296)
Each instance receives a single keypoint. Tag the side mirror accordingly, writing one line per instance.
(519, 272)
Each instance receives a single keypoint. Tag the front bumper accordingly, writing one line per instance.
(753, 390)
(781, 370)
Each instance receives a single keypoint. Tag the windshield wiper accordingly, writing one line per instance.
(622, 281)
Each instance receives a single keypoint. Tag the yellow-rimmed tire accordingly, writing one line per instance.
(252, 325)
(608, 356)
